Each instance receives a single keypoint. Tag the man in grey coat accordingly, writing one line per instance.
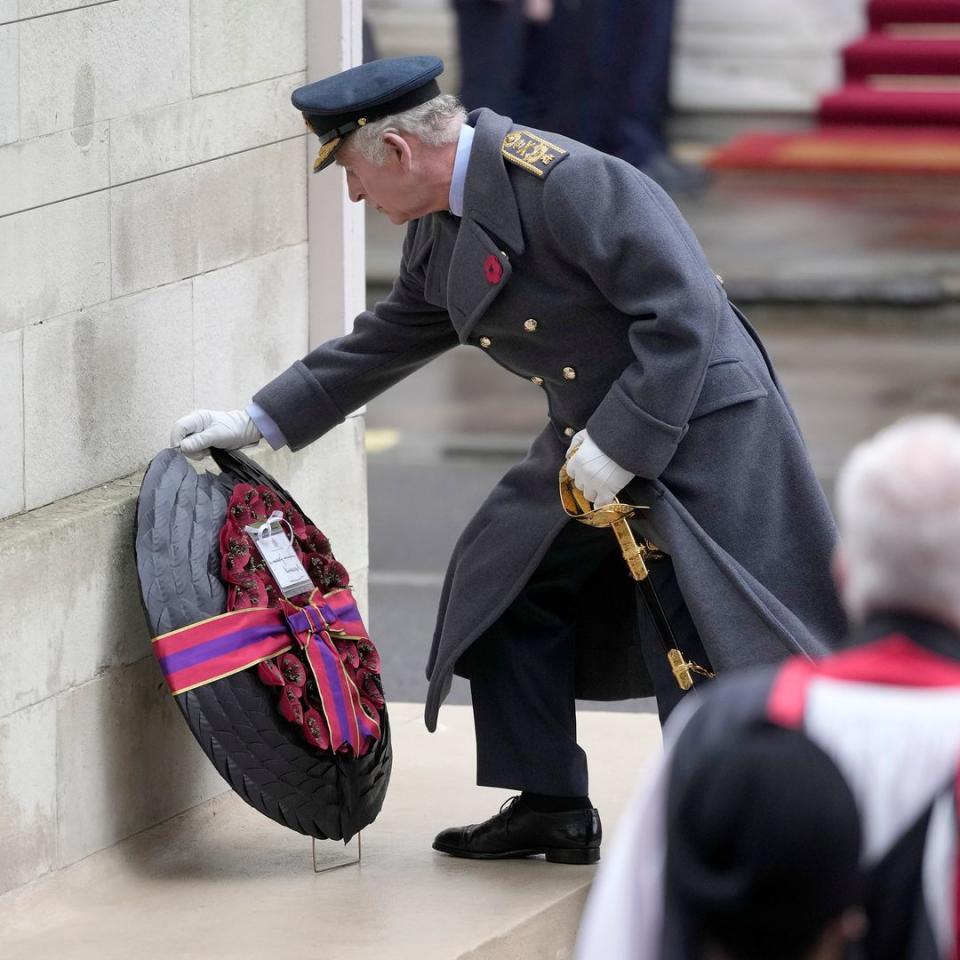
(574, 271)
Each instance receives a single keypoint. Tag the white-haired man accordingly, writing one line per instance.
(575, 272)
(886, 709)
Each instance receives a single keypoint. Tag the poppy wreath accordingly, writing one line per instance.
(214, 615)
(251, 585)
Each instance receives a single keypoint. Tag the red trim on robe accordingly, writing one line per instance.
(894, 660)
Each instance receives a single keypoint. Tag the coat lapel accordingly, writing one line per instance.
(490, 232)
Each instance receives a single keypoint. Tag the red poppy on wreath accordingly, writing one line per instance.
(290, 705)
(246, 506)
(348, 651)
(492, 269)
(369, 658)
(234, 553)
(292, 670)
(295, 519)
(269, 673)
(249, 593)
(315, 730)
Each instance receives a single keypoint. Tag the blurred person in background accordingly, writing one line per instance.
(594, 70)
(886, 708)
(502, 44)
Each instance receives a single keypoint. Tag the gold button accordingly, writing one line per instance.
(568, 431)
(719, 279)
(569, 373)
(530, 325)
(485, 342)
(537, 380)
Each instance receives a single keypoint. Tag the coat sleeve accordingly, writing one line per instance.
(388, 343)
(629, 238)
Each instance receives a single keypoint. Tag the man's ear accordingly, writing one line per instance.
(399, 150)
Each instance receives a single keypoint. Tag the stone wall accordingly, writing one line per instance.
(154, 257)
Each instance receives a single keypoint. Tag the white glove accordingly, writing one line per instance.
(195, 433)
(593, 472)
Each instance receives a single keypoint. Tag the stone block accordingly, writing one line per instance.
(736, 83)
(11, 425)
(123, 373)
(235, 42)
(56, 259)
(9, 83)
(822, 22)
(27, 794)
(92, 621)
(250, 323)
(9, 11)
(181, 134)
(102, 61)
(41, 8)
(194, 220)
(125, 760)
(53, 167)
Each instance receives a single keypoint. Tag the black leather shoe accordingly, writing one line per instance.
(517, 831)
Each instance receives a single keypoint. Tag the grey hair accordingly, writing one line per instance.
(435, 122)
(898, 503)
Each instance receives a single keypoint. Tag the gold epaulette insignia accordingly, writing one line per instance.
(532, 153)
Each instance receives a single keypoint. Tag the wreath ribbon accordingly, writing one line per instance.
(226, 644)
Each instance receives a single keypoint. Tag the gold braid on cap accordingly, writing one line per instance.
(324, 153)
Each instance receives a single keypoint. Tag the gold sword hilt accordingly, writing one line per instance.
(616, 515)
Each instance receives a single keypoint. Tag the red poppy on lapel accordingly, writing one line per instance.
(493, 269)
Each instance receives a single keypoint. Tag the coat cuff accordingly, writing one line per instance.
(299, 406)
(632, 438)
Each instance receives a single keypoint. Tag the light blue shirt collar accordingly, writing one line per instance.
(460, 164)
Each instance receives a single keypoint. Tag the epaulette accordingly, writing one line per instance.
(532, 153)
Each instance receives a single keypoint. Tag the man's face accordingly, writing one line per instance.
(392, 187)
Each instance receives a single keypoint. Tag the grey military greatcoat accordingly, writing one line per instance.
(573, 270)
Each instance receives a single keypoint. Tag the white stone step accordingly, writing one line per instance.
(222, 881)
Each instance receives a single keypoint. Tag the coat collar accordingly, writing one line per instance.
(488, 197)
(934, 635)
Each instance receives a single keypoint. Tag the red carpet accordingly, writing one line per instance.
(845, 150)
(857, 103)
(899, 108)
(884, 13)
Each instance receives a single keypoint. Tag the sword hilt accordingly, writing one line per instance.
(616, 515)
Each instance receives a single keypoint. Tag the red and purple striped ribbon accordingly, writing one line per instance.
(235, 641)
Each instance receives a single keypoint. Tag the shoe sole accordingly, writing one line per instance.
(552, 854)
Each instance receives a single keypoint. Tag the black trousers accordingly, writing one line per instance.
(521, 670)
(597, 71)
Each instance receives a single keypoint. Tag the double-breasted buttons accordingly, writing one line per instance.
(568, 431)
(530, 325)
(537, 380)
(485, 342)
(569, 373)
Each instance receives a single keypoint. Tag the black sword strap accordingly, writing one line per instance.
(616, 516)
